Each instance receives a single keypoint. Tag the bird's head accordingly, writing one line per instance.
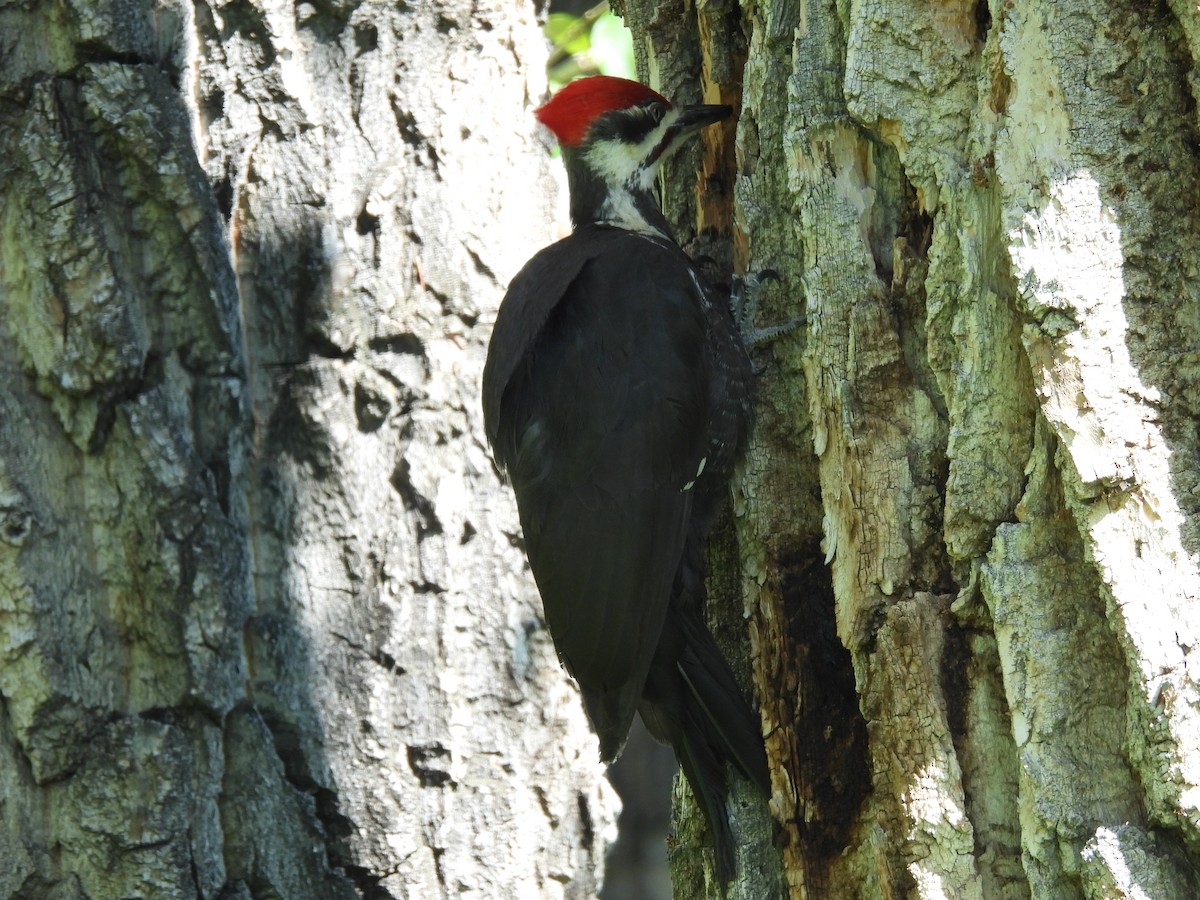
(614, 134)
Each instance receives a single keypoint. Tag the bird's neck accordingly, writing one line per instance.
(595, 201)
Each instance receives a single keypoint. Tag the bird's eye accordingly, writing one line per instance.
(656, 110)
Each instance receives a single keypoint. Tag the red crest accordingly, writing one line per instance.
(571, 111)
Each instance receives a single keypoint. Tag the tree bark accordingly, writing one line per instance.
(265, 624)
(265, 628)
(967, 527)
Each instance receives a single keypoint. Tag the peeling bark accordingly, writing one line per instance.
(976, 464)
(265, 625)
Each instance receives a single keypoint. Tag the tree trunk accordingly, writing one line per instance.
(967, 527)
(265, 624)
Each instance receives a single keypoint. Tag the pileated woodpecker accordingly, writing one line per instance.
(616, 395)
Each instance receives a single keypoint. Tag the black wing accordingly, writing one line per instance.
(601, 427)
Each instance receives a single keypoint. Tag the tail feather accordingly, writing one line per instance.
(728, 722)
(692, 701)
(705, 774)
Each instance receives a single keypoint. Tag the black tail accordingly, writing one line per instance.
(692, 702)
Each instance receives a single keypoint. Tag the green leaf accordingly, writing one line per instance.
(567, 33)
(612, 47)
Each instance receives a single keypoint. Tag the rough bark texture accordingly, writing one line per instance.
(265, 626)
(968, 527)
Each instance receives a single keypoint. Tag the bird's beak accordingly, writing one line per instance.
(688, 121)
(693, 118)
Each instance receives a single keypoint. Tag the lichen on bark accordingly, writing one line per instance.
(984, 213)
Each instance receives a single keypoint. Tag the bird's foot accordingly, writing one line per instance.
(743, 303)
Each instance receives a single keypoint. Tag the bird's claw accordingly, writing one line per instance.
(743, 303)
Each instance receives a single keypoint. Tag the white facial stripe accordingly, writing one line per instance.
(620, 211)
(620, 164)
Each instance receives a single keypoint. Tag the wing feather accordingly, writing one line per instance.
(600, 422)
